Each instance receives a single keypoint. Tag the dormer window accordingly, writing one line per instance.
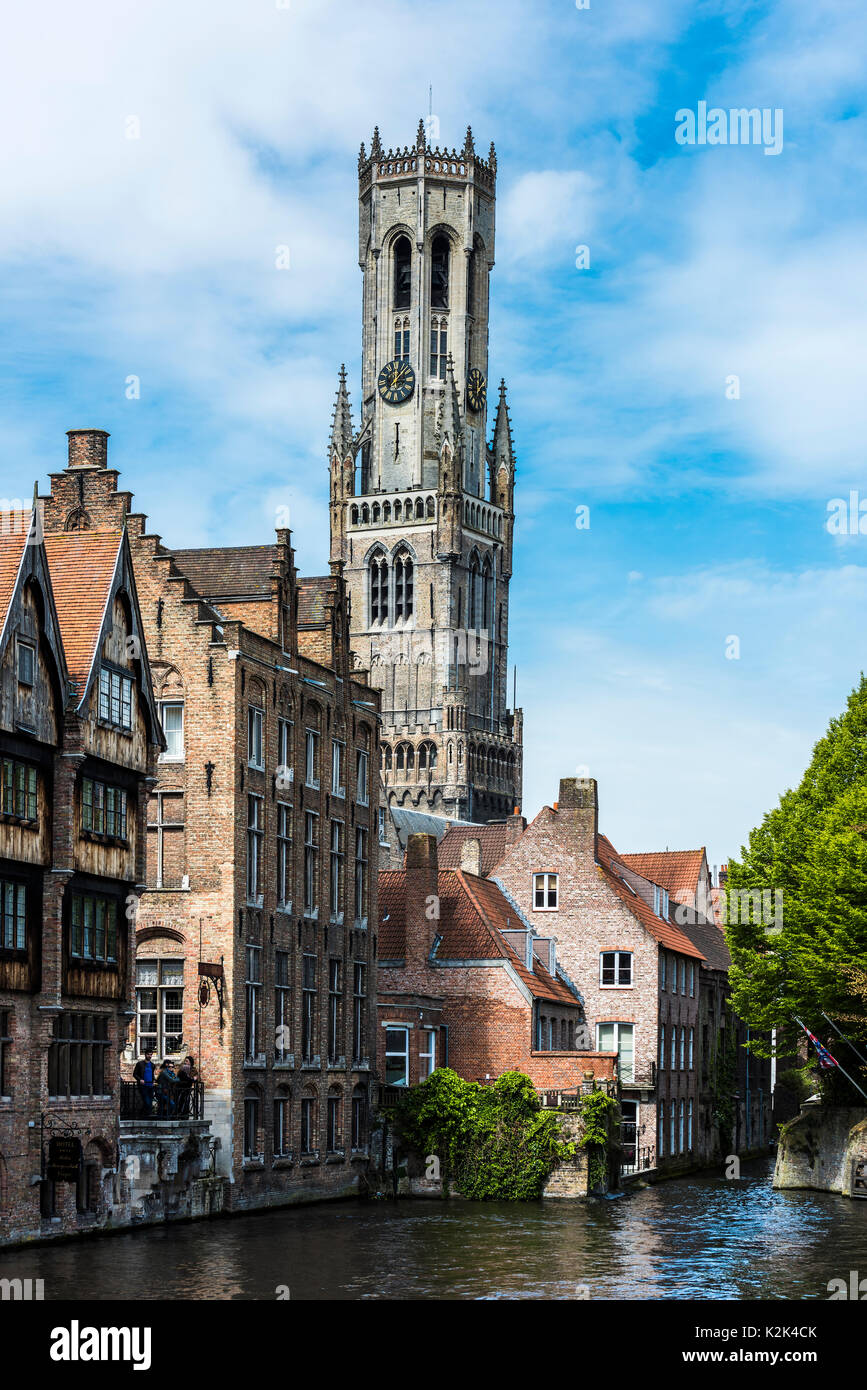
(660, 901)
(115, 698)
(26, 663)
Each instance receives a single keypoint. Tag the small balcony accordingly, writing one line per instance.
(171, 1102)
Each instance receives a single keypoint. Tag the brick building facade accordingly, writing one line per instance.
(465, 981)
(255, 939)
(652, 974)
(79, 735)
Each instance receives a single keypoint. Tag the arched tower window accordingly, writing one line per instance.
(471, 283)
(486, 596)
(403, 587)
(475, 594)
(439, 273)
(402, 273)
(401, 339)
(419, 508)
(439, 347)
(378, 572)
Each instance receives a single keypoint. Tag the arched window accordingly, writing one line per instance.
(486, 595)
(471, 283)
(353, 516)
(419, 509)
(402, 273)
(374, 514)
(386, 511)
(397, 510)
(378, 589)
(439, 347)
(399, 757)
(401, 339)
(365, 514)
(428, 751)
(422, 757)
(410, 757)
(430, 506)
(388, 757)
(439, 273)
(403, 587)
(474, 594)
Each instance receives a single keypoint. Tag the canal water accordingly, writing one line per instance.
(702, 1237)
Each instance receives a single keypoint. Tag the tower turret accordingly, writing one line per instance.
(424, 534)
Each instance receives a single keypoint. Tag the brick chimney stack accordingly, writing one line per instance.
(579, 800)
(471, 857)
(88, 448)
(422, 896)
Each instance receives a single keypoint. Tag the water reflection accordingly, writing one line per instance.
(697, 1238)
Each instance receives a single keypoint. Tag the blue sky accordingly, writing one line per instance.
(155, 257)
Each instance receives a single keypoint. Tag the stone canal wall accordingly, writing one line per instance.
(824, 1147)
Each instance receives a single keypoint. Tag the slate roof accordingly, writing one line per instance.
(228, 571)
(312, 593)
(473, 913)
(492, 839)
(665, 932)
(82, 566)
(14, 529)
(676, 870)
(408, 822)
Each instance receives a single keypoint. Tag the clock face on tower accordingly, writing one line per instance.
(477, 390)
(396, 382)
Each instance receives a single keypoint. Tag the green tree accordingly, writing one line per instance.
(813, 846)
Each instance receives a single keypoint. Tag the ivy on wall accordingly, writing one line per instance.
(494, 1143)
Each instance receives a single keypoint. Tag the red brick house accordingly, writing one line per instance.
(255, 941)
(79, 735)
(465, 981)
(651, 969)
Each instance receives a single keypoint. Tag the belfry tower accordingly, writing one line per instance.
(421, 505)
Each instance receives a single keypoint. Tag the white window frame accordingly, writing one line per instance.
(660, 901)
(362, 777)
(682, 1066)
(311, 758)
(692, 1049)
(427, 1057)
(171, 756)
(256, 737)
(662, 1047)
(404, 1053)
(547, 880)
(619, 956)
(629, 1080)
(157, 1041)
(284, 855)
(255, 842)
(338, 768)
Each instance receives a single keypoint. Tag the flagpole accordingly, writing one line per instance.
(845, 1039)
(836, 1063)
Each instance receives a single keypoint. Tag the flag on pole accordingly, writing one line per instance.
(825, 1058)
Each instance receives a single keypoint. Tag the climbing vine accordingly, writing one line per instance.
(493, 1143)
(595, 1109)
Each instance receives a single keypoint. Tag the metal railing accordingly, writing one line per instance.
(637, 1160)
(173, 1101)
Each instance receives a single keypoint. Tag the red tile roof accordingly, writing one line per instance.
(14, 530)
(228, 571)
(676, 870)
(473, 913)
(663, 930)
(82, 566)
(492, 839)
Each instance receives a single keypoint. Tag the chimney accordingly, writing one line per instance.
(87, 448)
(515, 827)
(579, 802)
(422, 897)
(471, 857)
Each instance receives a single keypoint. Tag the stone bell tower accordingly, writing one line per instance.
(421, 504)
